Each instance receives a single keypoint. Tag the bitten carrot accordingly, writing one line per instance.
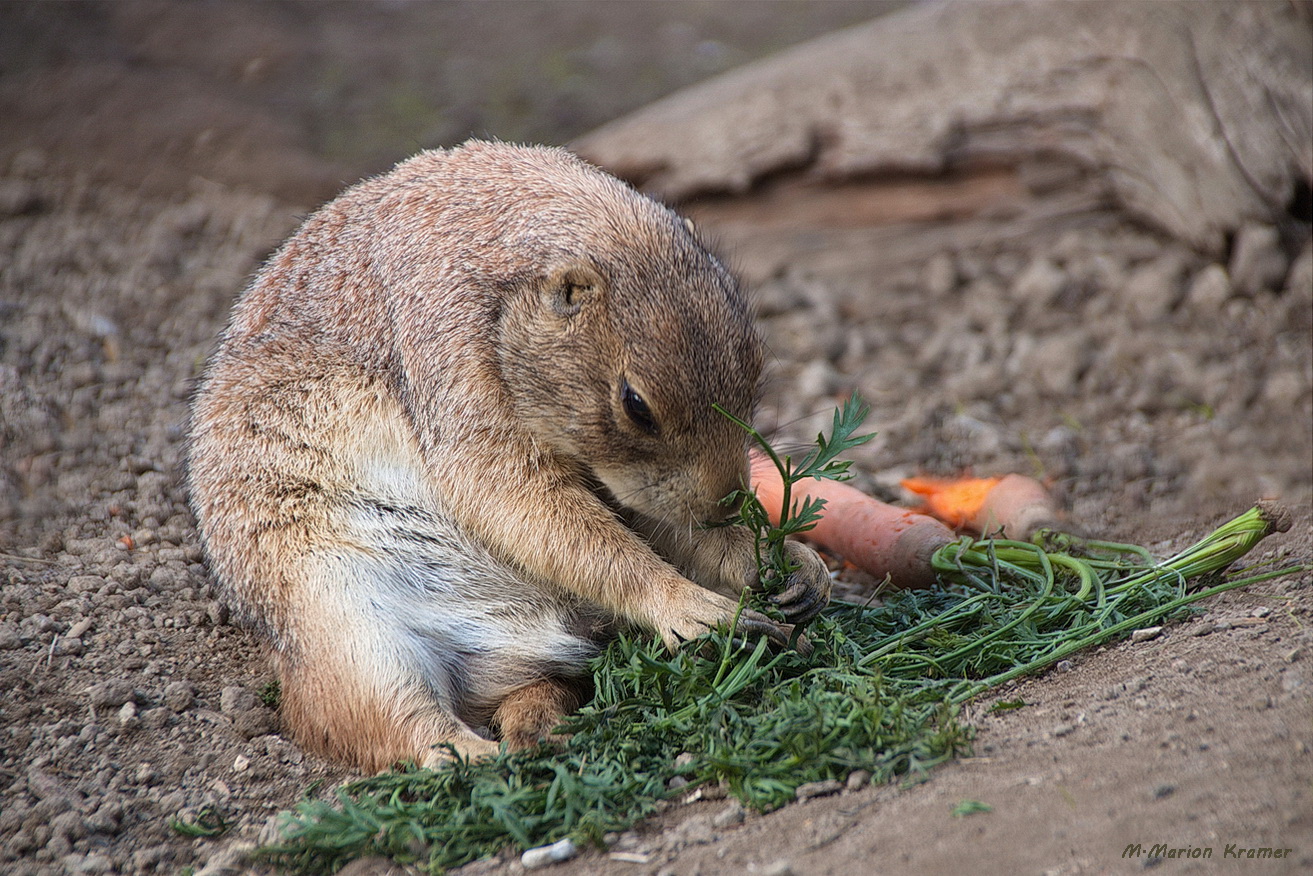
(878, 538)
(1013, 506)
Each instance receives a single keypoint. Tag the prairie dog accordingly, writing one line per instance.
(459, 429)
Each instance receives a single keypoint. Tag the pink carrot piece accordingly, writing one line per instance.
(878, 538)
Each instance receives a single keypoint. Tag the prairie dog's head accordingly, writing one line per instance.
(618, 338)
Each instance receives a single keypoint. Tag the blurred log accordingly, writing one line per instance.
(1193, 117)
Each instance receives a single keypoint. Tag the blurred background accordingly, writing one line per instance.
(296, 97)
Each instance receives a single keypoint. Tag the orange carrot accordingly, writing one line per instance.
(880, 539)
(1013, 506)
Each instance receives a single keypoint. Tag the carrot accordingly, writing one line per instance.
(1013, 506)
(880, 539)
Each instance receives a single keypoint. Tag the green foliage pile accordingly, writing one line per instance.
(881, 692)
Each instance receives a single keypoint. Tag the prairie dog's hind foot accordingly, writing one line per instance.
(529, 715)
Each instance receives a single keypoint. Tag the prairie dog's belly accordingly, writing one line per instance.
(366, 552)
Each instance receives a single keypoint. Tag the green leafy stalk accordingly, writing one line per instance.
(820, 461)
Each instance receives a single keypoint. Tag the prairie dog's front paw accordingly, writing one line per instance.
(807, 590)
(693, 611)
(725, 560)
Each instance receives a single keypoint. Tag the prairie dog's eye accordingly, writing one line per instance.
(637, 410)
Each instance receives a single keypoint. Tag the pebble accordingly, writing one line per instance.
(1257, 262)
(85, 583)
(241, 763)
(1152, 290)
(69, 825)
(145, 860)
(1300, 278)
(111, 694)
(79, 629)
(731, 815)
(234, 699)
(857, 780)
(68, 647)
(1209, 289)
(145, 774)
(10, 640)
(1039, 283)
(128, 714)
(87, 863)
(1145, 634)
(781, 867)
(939, 276)
(179, 695)
(823, 788)
(542, 856)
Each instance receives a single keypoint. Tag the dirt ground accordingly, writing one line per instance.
(152, 155)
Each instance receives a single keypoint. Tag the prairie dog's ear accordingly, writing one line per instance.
(571, 287)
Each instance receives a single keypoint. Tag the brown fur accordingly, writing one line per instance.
(412, 462)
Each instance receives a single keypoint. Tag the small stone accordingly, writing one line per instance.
(128, 714)
(1294, 655)
(67, 647)
(1039, 283)
(685, 759)
(217, 613)
(823, 788)
(939, 276)
(781, 867)
(145, 774)
(10, 640)
(89, 864)
(80, 629)
(1152, 290)
(241, 763)
(254, 722)
(110, 694)
(1261, 611)
(232, 860)
(1064, 666)
(731, 815)
(156, 719)
(373, 866)
(1300, 278)
(542, 856)
(1257, 262)
(236, 699)
(69, 825)
(145, 860)
(858, 779)
(714, 792)
(85, 583)
(1145, 634)
(676, 782)
(179, 695)
(1209, 289)
(1203, 629)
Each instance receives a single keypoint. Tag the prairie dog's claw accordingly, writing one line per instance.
(808, 588)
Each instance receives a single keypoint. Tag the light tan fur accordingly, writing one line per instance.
(416, 463)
